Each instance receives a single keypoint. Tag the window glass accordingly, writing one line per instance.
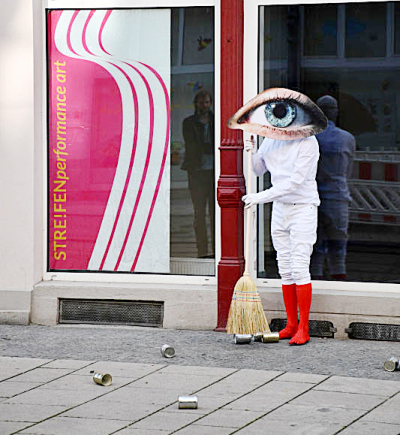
(359, 235)
(321, 36)
(366, 29)
(120, 198)
(397, 28)
(198, 36)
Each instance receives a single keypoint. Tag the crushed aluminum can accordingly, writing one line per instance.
(167, 351)
(270, 337)
(258, 336)
(187, 402)
(391, 364)
(243, 339)
(102, 379)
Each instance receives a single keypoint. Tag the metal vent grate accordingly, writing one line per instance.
(373, 331)
(111, 312)
(317, 328)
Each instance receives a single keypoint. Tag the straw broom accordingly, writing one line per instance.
(246, 313)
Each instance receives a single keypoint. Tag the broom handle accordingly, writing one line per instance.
(247, 246)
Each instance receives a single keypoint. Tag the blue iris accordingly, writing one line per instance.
(280, 113)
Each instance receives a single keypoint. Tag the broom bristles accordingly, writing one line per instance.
(246, 313)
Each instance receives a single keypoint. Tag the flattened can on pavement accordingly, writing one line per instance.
(187, 402)
(243, 339)
(167, 351)
(258, 336)
(270, 337)
(391, 364)
(102, 379)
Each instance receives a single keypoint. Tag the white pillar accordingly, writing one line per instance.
(16, 161)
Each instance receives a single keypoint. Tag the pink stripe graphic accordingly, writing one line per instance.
(150, 145)
(135, 140)
(162, 164)
(69, 32)
(128, 176)
(84, 33)
(101, 32)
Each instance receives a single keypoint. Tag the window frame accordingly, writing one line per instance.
(41, 115)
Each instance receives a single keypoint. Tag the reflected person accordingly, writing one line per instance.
(198, 134)
(337, 148)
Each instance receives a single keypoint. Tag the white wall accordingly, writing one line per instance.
(16, 160)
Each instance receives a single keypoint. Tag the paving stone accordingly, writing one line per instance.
(187, 384)
(8, 427)
(334, 399)
(298, 414)
(11, 388)
(167, 420)
(308, 378)
(112, 410)
(28, 413)
(79, 383)
(359, 386)
(279, 427)
(229, 418)
(196, 429)
(198, 371)
(269, 396)
(43, 396)
(388, 412)
(67, 364)
(12, 367)
(120, 369)
(41, 375)
(137, 431)
(155, 396)
(21, 363)
(78, 426)
(240, 383)
(371, 428)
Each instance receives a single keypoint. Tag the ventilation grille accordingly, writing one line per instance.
(106, 312)
(373, 331)
(317, 328)
(192, 266)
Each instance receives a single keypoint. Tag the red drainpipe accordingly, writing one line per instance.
(231, 185)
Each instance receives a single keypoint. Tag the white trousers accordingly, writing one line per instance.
(294, 232)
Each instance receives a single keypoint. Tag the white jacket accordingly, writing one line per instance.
(293, 167)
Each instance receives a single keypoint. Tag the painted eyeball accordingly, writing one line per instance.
(280, 113)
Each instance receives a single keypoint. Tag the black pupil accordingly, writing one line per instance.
(279, 111)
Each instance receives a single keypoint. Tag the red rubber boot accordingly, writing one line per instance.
(304, 293)
(290, 299)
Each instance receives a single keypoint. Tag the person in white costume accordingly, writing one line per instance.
(290, 152)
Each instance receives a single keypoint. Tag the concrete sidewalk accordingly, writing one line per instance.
(46, 387)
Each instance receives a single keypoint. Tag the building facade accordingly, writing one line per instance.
(122, 193)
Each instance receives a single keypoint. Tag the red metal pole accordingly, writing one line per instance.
(231, 185)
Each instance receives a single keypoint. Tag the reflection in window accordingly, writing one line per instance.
(321, 36)
(368, 96)
(192, 143)
(397, 28)
(366, 29)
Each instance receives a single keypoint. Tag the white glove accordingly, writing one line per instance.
(249, 145)
(250, 200)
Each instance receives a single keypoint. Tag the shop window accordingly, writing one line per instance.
(321, 36)
(366, 29)
(397, 28)
(119, 93)
(349, 51)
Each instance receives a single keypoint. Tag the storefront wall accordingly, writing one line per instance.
(16, 163)
(195, 292)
